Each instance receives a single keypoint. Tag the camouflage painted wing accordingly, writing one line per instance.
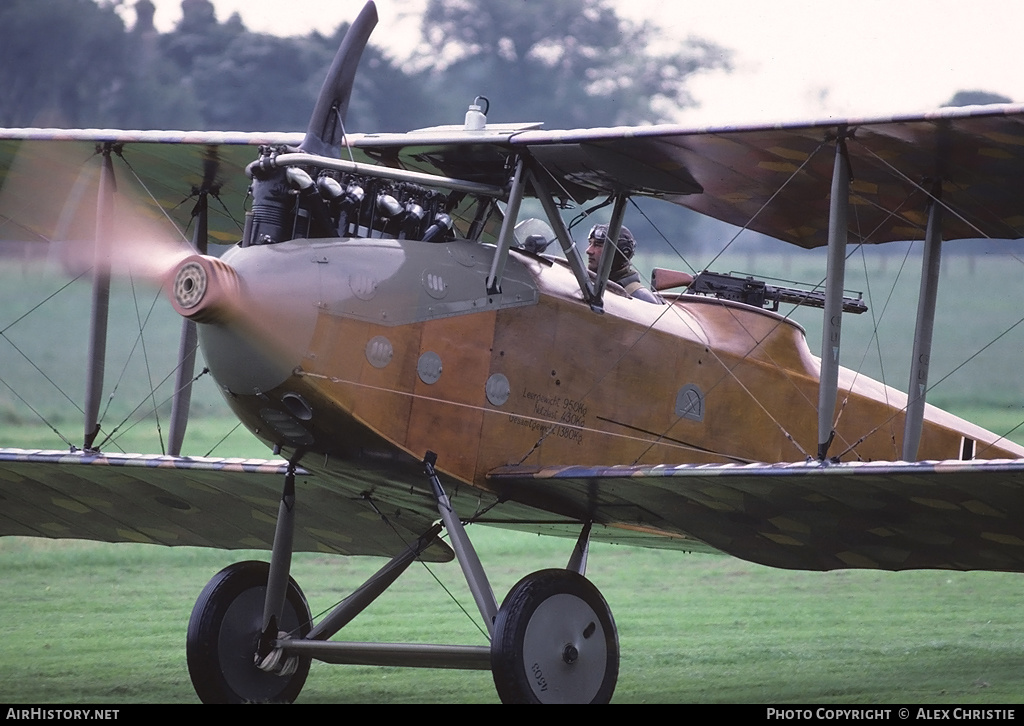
(774, 179)
(221, 503)
(956, 515)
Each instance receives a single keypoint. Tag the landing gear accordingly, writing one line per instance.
(554, 641)
(224, 634)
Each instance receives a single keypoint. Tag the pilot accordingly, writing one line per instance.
(622, 272)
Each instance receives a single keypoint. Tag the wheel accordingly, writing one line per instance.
(554, 641)
(223, 633)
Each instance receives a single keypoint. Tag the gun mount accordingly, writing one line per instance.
(759, 293)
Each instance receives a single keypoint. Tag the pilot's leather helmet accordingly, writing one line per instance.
(627, 243)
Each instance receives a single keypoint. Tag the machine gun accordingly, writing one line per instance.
(750, 291)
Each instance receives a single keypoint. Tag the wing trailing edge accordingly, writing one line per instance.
(956, 515)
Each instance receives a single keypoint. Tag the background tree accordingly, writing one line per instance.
(247, 81)
(61, 62)
(573, 63)
(976, 98)
(570, 64)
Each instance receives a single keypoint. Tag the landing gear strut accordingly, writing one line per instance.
(553, 640)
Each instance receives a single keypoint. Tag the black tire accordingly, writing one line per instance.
(223, 633)
(554, 641)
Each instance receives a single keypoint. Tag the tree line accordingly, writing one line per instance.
(78, 64)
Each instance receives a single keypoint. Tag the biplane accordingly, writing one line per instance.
(389, 323)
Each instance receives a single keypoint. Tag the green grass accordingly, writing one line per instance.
(106, 623)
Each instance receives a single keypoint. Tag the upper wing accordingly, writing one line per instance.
(957, 515)
(225, 503)
(774, 179)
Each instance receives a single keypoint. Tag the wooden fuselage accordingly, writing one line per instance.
(390, 348)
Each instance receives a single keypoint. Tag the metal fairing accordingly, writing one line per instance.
(384, 281)
(398, 282)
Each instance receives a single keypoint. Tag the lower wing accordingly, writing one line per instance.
(223, 503)
(957, 515)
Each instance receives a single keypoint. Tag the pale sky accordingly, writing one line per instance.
(793, 59)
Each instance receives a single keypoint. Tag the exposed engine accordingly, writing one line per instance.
(306, 202)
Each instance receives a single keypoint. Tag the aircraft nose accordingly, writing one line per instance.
(256, 315)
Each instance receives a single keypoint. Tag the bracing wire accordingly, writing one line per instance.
(730, 370)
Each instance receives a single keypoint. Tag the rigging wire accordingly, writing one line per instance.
(37, 413)
(876, 318)
(41, 372)
(931, 195)
(426, 567)
(768, 201)
(875, 342)
(711, 350)
(142, 321)
(225, 436)
(3, 334)
(933, 198)
(950, 373)
(730, 371)
(664, 237)
(42, 302)
(152, 197)
(139, 340)
(145, 358)
(113, 435)
(874, 335)
(407, 544)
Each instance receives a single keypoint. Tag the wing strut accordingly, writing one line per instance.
(830, 331)
(100, 299)
(468, 559)
(917, 387)
(608, 250)
(508, 226)
(572, 252)
(182, 400)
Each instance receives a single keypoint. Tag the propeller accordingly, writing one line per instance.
(94, 218)
(50, 195)
(206, 289)
(325, 133)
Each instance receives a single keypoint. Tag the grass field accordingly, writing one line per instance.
(106, 623)
(103, 623)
